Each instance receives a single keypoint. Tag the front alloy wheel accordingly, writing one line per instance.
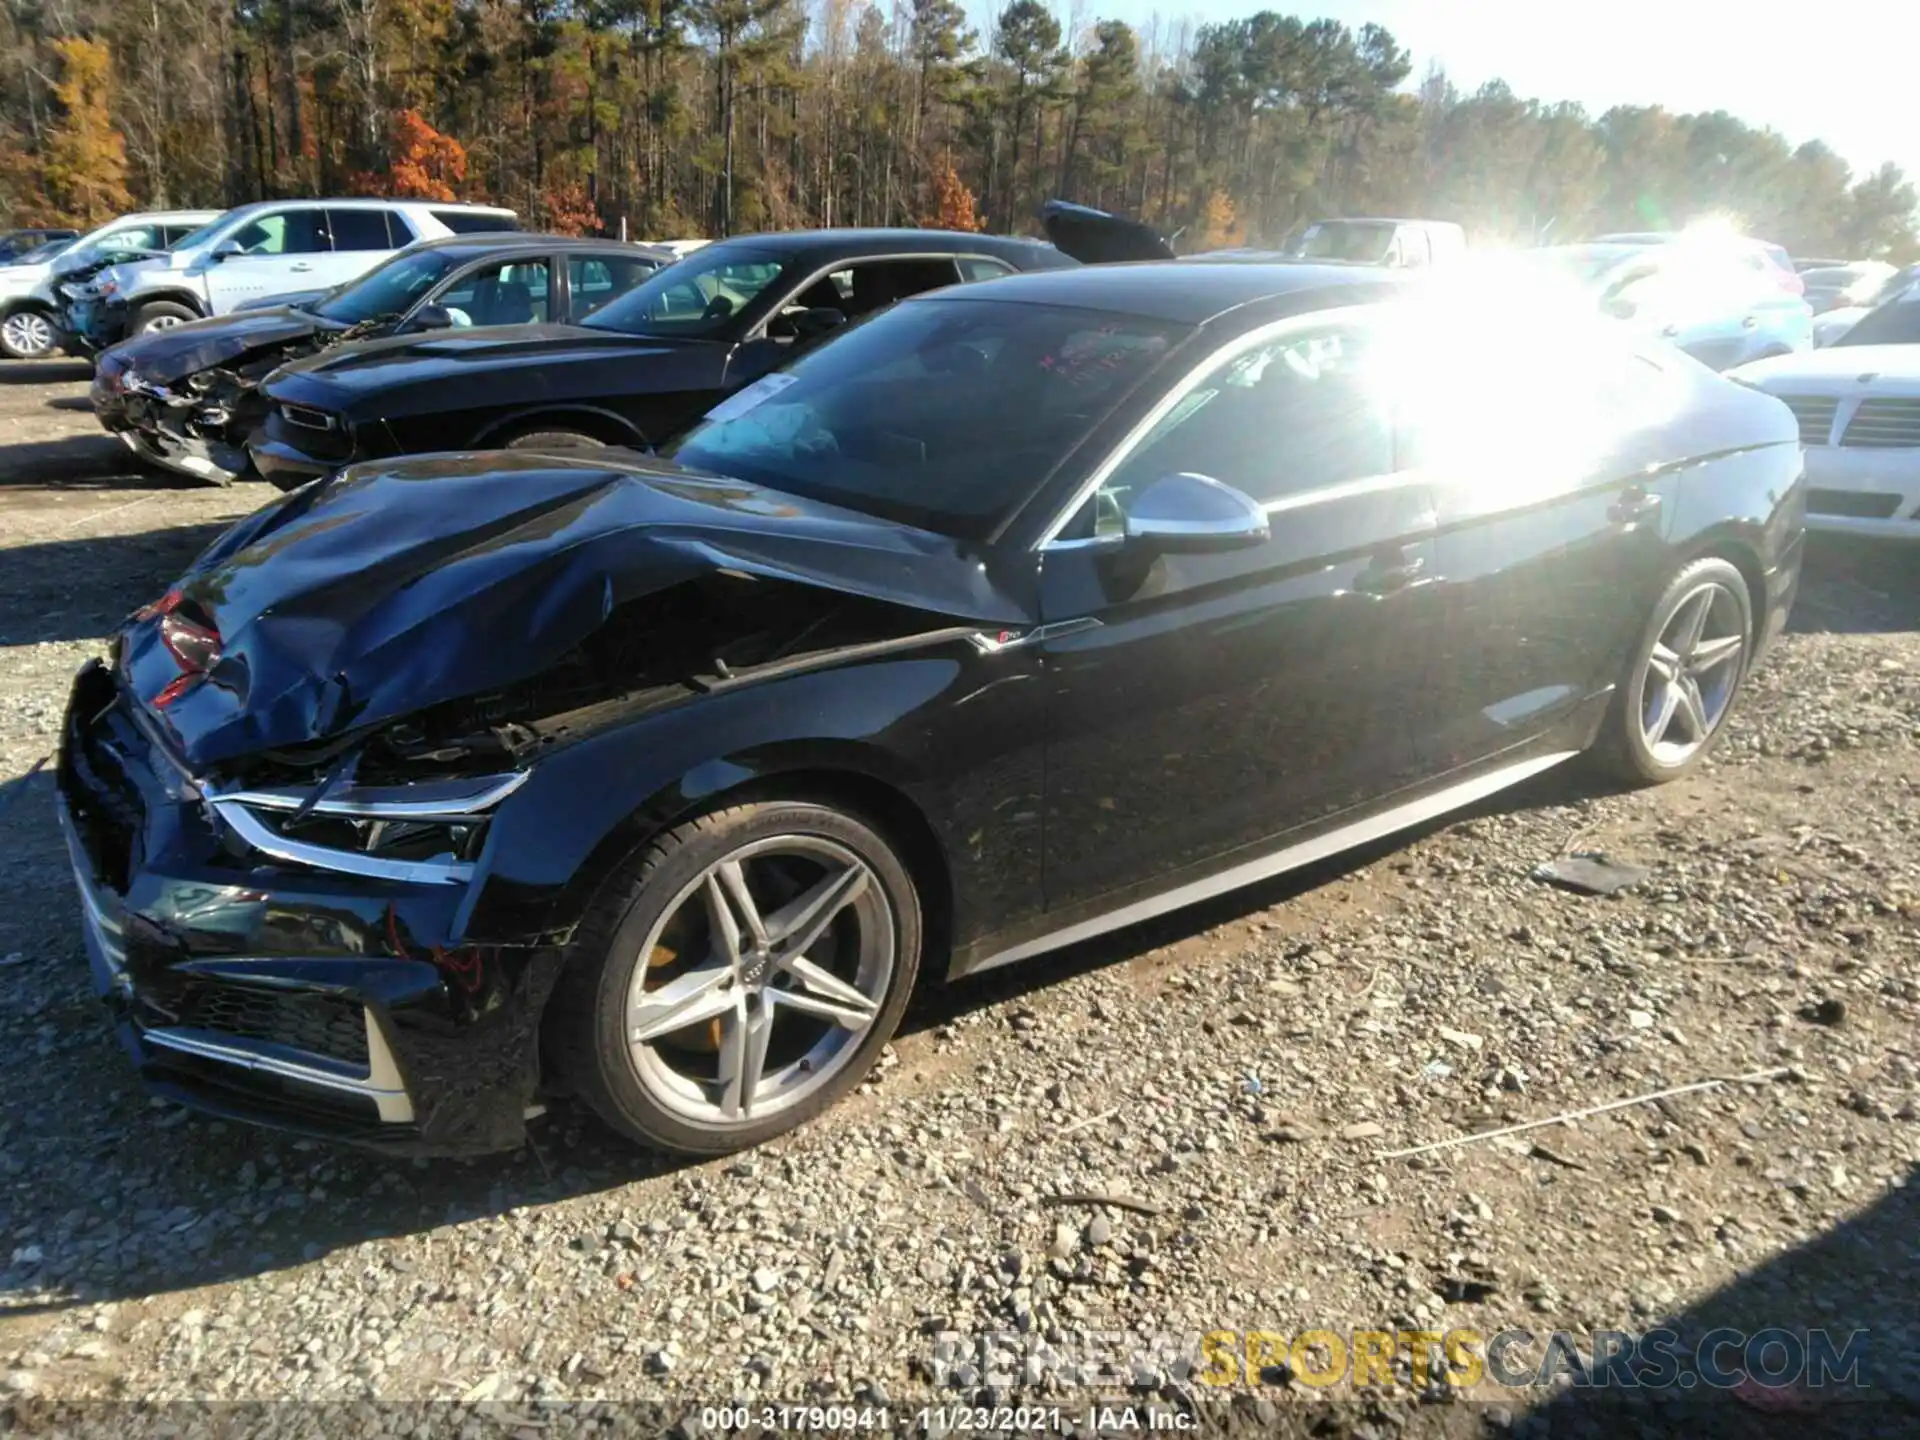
(1685, 672)
(26, 335)
(758, 960)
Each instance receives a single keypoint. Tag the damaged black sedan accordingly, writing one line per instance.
(1014, 615)
(187, 398)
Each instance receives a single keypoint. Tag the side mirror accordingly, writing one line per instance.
(1188, 514)
(431, 317)
(226, 250)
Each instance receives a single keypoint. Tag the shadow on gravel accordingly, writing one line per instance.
(80, 404)
(127, 1205)
(1857, 1283)
(1858, 587)
(80, 589)
(81, 462)
(43, 372)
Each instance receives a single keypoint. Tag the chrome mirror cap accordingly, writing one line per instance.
(1189, 513)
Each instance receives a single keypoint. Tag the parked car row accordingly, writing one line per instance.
(966, 602)
(187, 397)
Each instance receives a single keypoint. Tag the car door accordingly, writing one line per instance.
(1547, 465)
(517, 291)
(279, 251)
(359, 241)
(1201, 704)
(852, 288)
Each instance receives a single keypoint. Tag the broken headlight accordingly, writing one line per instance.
(430, 832)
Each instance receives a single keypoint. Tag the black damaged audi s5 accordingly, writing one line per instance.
(1015, 614)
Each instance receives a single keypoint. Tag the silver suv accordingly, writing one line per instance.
(277, 246)
(28, 293)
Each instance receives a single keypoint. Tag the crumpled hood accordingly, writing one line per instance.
(385, 367)
(167, 355)
(387, 590)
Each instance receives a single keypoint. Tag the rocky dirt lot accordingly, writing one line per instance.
(1236, 1073)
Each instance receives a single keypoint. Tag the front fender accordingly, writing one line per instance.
(891, 721)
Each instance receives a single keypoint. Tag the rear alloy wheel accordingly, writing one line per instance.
(26, 335)
(743, 978)
(1685, 674)
(160, 315)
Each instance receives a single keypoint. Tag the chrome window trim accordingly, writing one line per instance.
(1128, 443)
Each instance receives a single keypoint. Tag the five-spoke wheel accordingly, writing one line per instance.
(742, 979)
(1683, 676)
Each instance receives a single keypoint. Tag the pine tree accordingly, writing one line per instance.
(86, 157)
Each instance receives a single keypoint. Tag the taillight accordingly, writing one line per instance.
(1792, 283)
(195, 647)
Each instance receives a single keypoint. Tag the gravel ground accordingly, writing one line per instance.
(1236, 1070)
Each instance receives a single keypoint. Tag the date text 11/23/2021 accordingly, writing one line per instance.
(953, 1419)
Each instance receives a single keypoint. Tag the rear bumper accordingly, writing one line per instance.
(316, 1003)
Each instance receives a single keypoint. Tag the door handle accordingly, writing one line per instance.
(1750, 322)
(1634, 505)
(1390, 571)
(301, 268)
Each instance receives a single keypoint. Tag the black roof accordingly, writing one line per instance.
(510, 240)
(1190, 293)
(822, 244)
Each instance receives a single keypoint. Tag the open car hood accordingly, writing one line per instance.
(1093, 237)
(387, 590)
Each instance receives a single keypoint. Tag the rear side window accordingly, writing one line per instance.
(475, 222)
(400, 230)
(596, 279)
(979, 267)
(358, 229)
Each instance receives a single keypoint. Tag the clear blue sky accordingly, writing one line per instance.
(1845, 72)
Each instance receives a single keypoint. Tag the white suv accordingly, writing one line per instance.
(28, 301)
(255, 251)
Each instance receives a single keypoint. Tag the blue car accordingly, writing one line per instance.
(1724, 302)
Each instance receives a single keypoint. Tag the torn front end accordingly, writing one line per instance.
(197, 425)
(288, 955)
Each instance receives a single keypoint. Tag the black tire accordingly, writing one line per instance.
(585, 1033)
(160, 315)
(1622, 749)
(554, 440)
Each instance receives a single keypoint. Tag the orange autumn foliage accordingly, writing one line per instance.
(953, 205)
(567, 209)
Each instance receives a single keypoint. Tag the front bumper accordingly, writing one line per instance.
(89, 325)
(1860, 490)
(197, 435)
(319, 1003)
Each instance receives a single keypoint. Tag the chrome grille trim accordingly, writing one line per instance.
(1815, 415)
(1889, 423)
